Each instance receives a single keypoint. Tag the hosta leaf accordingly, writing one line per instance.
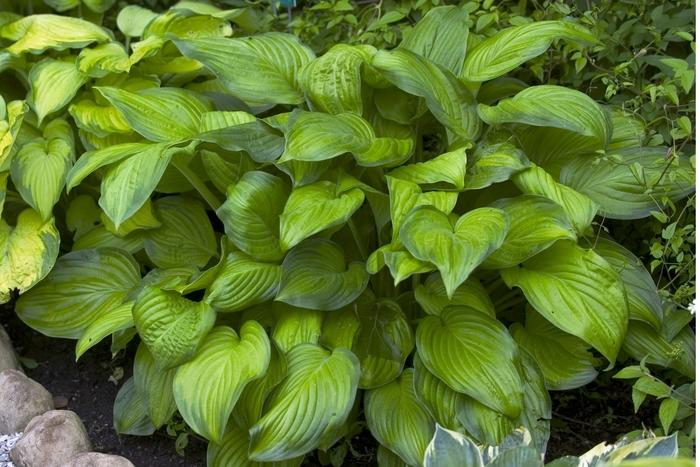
(99, 6)
(404, 196)
(103, 59)
(229, 362)
(580, 208)
(296, 326)
(310, 404)
(493, 164)
(535, 223)
(450, 167)
(443, 403)
(155, 386)
(552, 106)
(144, 218)
(36, 33)
(128, 184)
(150, 111)
(643, 298)
(133, 19)
(131, 412)
(9, 128)
(448, 99)
(642, 341)
(628, 183)
(441, 37)
(333, 82)
(185, 235)
(45, 96)
(400, 262)
(251, 214)
(225, 168)
(27, 253)
(473, 354)
(267, 70)
(98, 119)
(314, 136)
(377, 332)
(511, 47)
(432, 296)
(100, 237)
(577, 291)
(398, 420)
(233, 450)
(316, 207)
(315, 276)
(39, 168)
(171, 326)
(82, 286)
(564, 359)
(243, 282)
(93, 160)
(111, 321)
(456, 249)
(451, 449)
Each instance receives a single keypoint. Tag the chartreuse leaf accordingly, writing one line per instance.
(228, 362)
(10, 124)
(473, 354)
(103, 59)
(296, 326)
(398, 420)
(444, 404)
(268, 65)
(39, 168)
(308, 406)
(448, 99)
(316, 276)
(450, 167)
(131, 412)
(432, 296)
(233, 450)
(511, 47)
(333, 81)
(243, 282)
(251, 214)
(155, 386)
(27, 253)
(552, 106)
(400, 262)
(150, 111)
(171, 326)
(36, 33)
(133, 19)
(316, 207)
(580, 208)
(628, 183)
(456, 249)
(451, 449)
(535, 223)
(128, 184)
(113, 320)
(564, 359)
(642, 296)
(142, 219)
(45, 96)
(98, 119)
(185, 235)
(90, 161)
(493, 163)
(315, 136)
(82, 286)
(642, 341)
(241, 131)
(377, 332)
(441, 37)
(577, 291)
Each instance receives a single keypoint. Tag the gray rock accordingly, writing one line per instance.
(8, 357)
(51, 440)
(96, 459)
(21, 399)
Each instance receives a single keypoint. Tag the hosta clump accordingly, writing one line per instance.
(409, 235)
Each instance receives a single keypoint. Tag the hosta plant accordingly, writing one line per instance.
(296, 243)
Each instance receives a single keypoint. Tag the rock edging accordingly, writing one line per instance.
(49, 438)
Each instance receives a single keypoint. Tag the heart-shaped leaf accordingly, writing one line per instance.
(432, 296)
(456, 249)
(46, 97)
(155, 386)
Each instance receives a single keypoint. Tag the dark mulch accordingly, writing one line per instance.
(601, 411)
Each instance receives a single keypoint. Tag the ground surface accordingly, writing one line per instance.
(583, 418)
